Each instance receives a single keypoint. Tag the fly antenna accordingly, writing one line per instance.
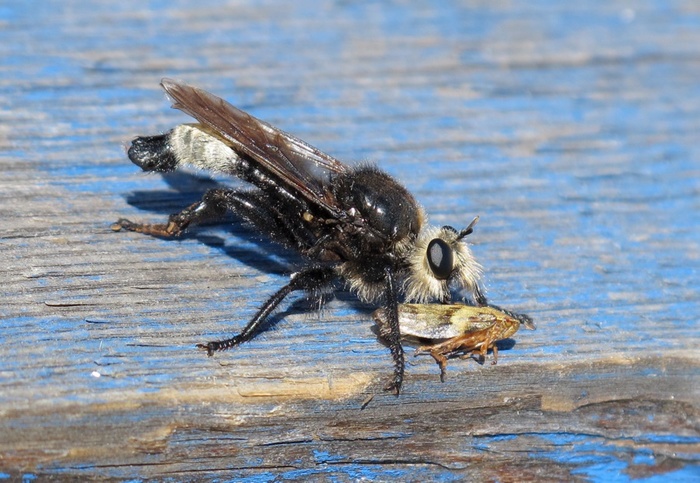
(469, 229)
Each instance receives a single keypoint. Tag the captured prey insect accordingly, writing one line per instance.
(356, 224)
(456, 329)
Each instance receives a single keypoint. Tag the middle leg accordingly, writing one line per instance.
(314, 278)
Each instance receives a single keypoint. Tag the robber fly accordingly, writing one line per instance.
(356, 224)
(455, 329)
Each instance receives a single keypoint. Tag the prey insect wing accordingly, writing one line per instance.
(457, 330)
(303, 167)
(440, 321)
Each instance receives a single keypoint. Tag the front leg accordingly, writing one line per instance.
(394, 335)
(480, 298)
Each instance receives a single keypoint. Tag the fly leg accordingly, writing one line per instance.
(480, 298)
(212, 206)
(252, 206)
(394, 336)
(313, 278)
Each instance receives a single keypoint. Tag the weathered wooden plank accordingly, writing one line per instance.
(572, 131)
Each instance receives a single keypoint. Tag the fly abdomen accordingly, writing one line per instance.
(186, 144)
(153, 153)
(198, 146)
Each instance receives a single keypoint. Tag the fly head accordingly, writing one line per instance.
(440, 260)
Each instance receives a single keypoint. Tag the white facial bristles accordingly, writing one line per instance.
(422, 286)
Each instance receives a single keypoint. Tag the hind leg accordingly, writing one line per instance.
(212, 206)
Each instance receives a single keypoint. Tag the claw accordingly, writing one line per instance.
(123, 223)
(168, 230)
(393, 386)
(209, 347)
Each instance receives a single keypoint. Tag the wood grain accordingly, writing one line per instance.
(570, 129)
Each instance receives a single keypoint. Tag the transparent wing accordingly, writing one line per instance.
(295, 163)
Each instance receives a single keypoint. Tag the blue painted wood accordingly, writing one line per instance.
(570, 129)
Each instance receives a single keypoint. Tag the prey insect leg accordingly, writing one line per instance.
(313, 278)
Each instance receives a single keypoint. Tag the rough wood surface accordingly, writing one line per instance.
(572, 129)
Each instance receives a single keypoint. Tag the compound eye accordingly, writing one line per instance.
(440, 258)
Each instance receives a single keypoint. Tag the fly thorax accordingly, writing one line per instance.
(388, 212)
(365, 278)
